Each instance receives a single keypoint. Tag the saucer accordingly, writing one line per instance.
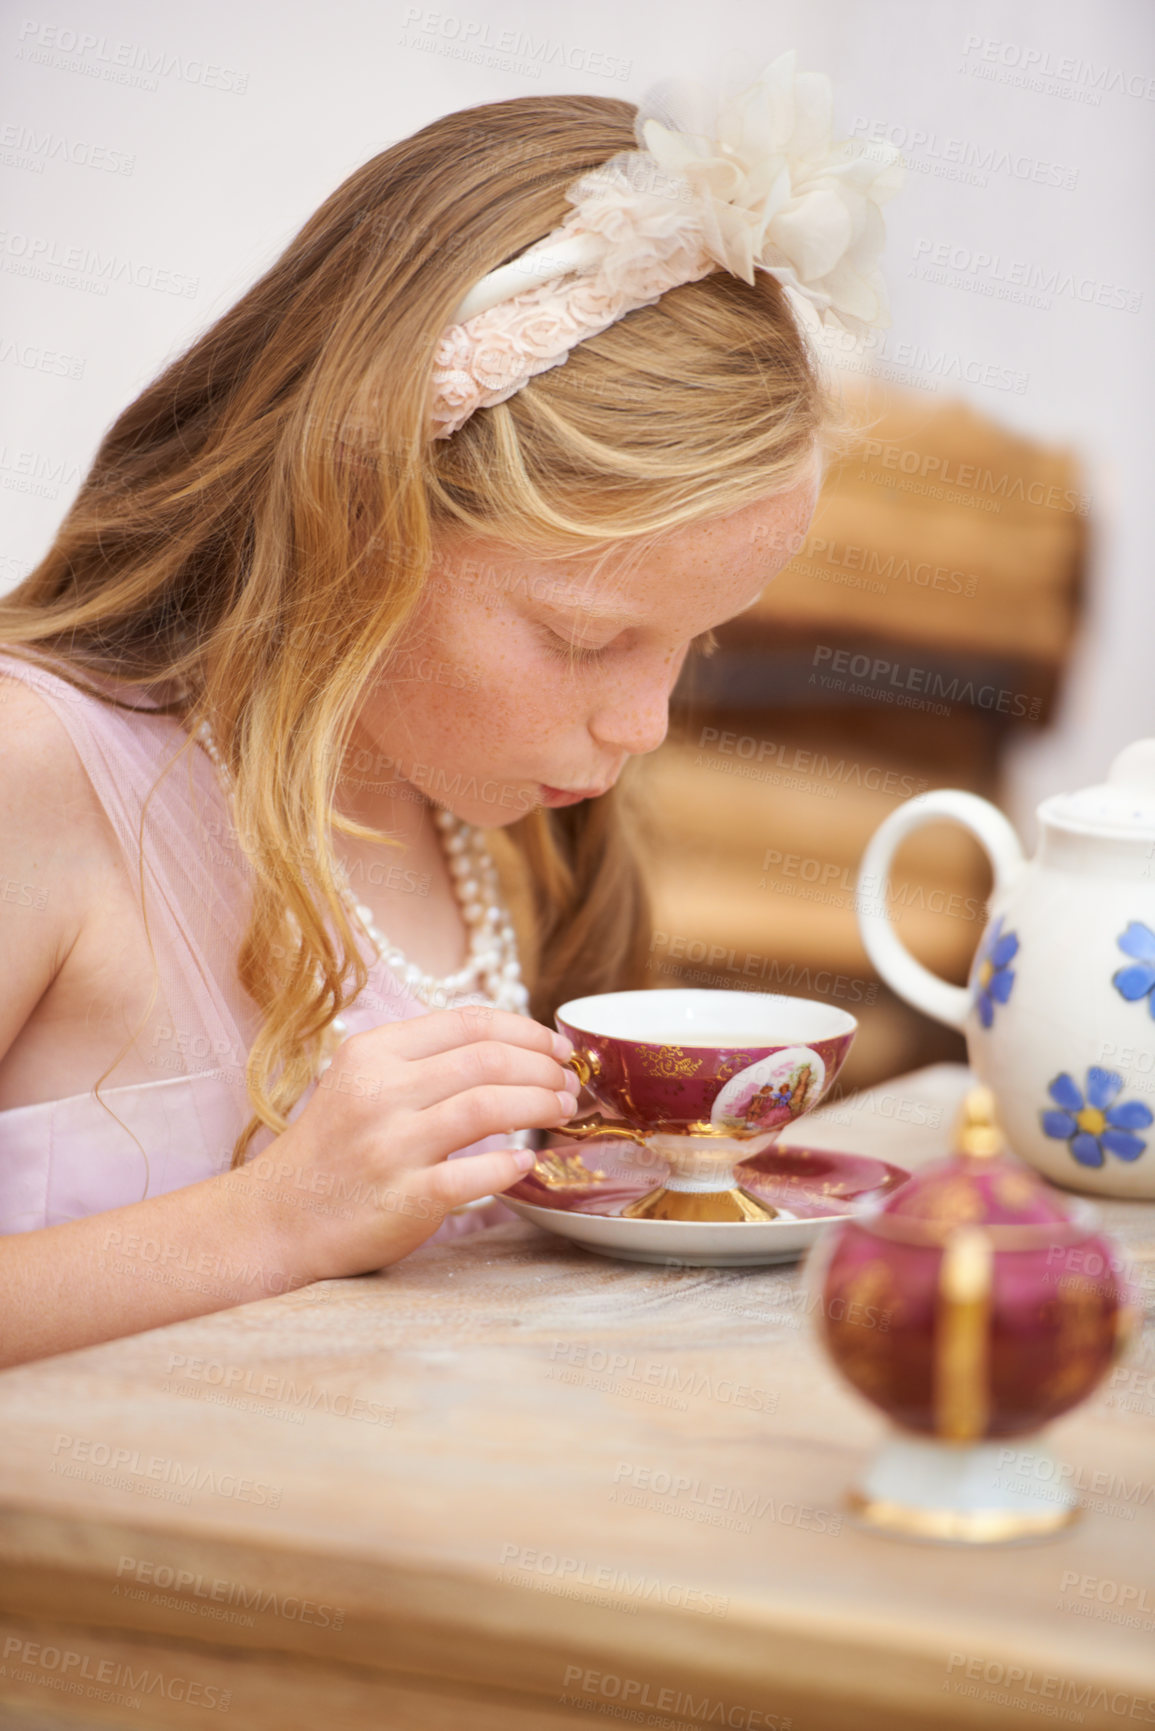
(580, 1196)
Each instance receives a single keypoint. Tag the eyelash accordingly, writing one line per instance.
(704, 644)
(562, 650)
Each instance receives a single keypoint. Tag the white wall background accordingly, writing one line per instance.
(168, 155)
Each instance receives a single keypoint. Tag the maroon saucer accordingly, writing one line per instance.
(811, 1183)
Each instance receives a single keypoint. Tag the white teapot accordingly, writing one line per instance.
(1059, 1011)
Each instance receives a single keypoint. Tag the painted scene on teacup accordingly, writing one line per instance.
(772, 1092)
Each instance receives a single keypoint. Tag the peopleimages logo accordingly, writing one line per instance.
(142, 1571)
(1020, 280)
(1105, 1492)
(893, 682)
(235, 1379)
(24, 147)
(82, 267)
(639, 1701)
(1066, 75)
(675, 949)
(38, 360)
(474, 39)
(75, 1457)
(1007, 1684)
(887, 567)
(521, 1565)
(962, 158)
(132, 63)
(659, 1383)
(1000, 486)
(799, 758)
(688, 1497)
(877, 354)
(1125, 1602)
(67, 1669)
(35, 473)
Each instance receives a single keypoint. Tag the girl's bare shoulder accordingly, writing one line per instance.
(56, 849)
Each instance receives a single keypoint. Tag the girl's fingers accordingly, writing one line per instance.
(448, 1030)
(488, 1111)
(452, 1182)
(485, 1063)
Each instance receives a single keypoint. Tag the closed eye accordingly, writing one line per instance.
(563, 649)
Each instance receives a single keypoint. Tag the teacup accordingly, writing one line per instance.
(705, 1079)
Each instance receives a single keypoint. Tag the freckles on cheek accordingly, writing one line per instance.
(491, 710)
(479, 695)
(498, 684)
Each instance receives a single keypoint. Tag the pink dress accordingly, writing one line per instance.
(169, 1112)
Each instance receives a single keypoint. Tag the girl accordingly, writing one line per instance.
(410, 545)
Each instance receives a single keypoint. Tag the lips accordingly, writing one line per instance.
(558, 796)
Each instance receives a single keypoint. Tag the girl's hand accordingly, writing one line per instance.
(361, 1178)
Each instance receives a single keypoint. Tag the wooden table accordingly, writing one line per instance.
(508, 1485)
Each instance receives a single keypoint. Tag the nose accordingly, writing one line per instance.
(635, 719)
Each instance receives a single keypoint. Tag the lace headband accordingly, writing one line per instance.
(750, 183)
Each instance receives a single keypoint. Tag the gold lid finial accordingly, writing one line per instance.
(978, 1130)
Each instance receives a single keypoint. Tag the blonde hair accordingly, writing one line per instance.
(259, 523)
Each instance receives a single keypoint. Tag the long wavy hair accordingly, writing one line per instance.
(258, 525)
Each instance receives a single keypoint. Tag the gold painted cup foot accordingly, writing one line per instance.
(960, 1526)
(701, 1205)
(921, 1487)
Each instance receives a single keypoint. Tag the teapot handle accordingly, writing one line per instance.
(926, 991)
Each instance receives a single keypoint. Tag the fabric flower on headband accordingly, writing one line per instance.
(750, 183)
(774, 190)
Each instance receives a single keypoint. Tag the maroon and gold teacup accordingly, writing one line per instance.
(705, 1079)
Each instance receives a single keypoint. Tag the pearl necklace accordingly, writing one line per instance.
(492, 972)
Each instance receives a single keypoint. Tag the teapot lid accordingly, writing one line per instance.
(980, 1184)
(1124, 804)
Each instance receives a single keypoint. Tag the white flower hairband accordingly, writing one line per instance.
(751, 183)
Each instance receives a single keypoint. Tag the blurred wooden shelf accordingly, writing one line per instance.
(701, 803)
(774, 872)
(954, 544)
(888, 566)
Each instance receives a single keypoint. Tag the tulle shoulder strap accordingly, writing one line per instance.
(123, 751)
(166, 806)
